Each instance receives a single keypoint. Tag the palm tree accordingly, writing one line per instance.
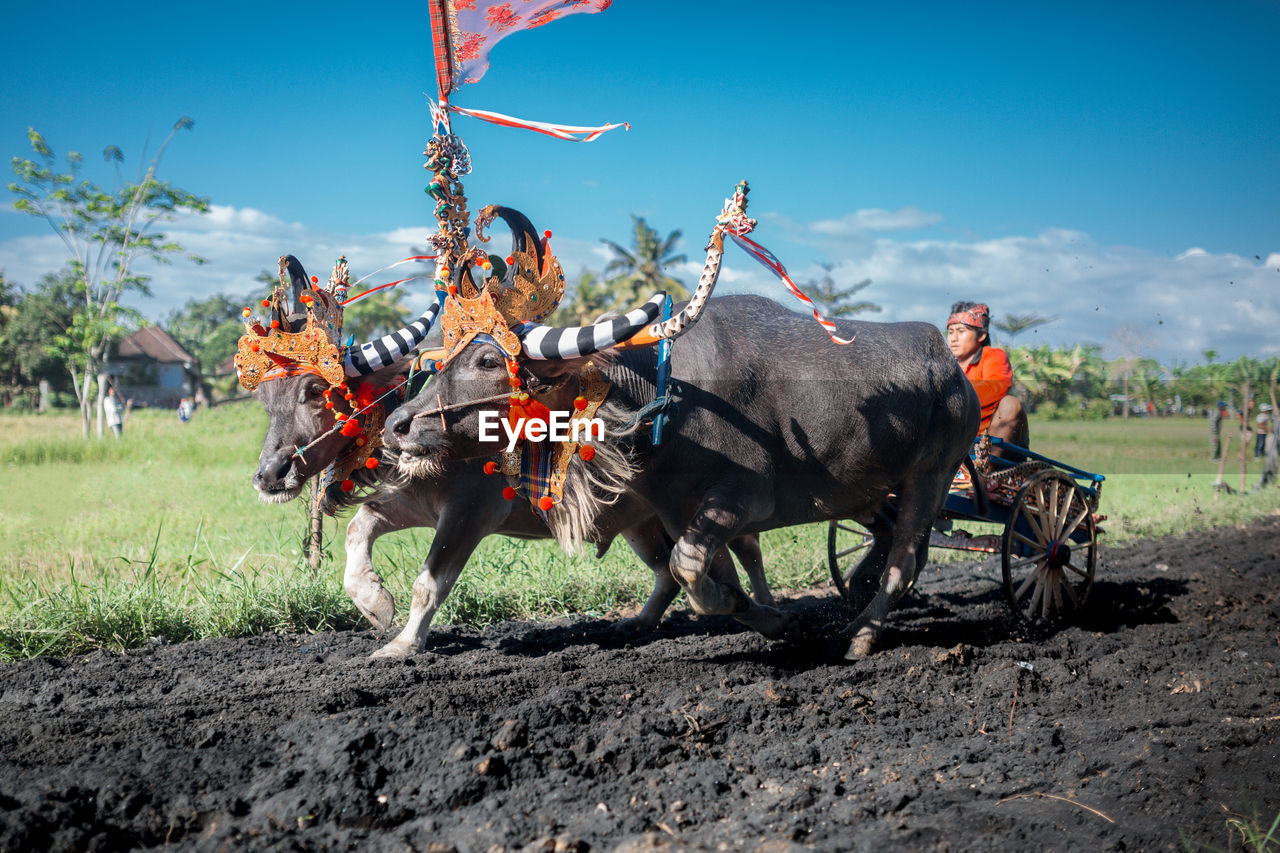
(641, 271)
(590, 297)
(833, 301)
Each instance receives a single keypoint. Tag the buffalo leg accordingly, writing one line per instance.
(458, 532)
(654, 548)
(360, 581)
(918, 505)
(700, 563)
(747, 549)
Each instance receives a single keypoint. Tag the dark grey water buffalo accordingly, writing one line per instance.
(457, 499)
(774, 426)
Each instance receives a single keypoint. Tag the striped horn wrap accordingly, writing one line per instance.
(378, 353)
(546, 342)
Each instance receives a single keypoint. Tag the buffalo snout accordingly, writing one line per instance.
(398, 426)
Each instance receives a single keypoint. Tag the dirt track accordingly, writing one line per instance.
(1141, 722)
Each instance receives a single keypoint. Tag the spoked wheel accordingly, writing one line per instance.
(1050, 549)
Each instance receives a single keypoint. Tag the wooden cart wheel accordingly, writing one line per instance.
(856, 555)
(1050, 549)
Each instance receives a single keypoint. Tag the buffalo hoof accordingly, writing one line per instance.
(774, 624)
(633, 626)
(394, 650)
(765, 598)
(860, 647)
(379, 608)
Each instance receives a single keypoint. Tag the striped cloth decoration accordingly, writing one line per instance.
(380, 352)
(548, 342)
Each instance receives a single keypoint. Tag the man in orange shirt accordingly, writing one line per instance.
(988, 370)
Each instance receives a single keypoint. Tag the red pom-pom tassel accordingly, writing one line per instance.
(509, 493)
(346, 485)
(371, 463)
(545, 503)
(587, 452)
(491, 467)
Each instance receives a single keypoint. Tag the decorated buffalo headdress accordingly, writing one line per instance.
(301, 332)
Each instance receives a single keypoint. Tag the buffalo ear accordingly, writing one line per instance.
(553, 370)
(294, 278)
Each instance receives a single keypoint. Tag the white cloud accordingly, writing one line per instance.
(863, 221)
(1180, 304)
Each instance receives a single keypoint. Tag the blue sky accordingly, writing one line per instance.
(1117, 167)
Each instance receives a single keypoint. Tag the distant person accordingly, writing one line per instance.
(185, 409)
(987, 368)
(1262, 428)
(113, 409)
(1215, 429)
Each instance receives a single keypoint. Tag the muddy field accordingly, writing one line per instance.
(1133, 730)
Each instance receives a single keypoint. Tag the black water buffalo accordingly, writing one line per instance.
(775, 425)
(457, 499)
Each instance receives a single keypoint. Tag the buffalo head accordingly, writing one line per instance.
(310, 384)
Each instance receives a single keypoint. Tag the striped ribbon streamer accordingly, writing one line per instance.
(403, 260)
(365, 293)
(566, 132)
(766, 258)
(363, 279)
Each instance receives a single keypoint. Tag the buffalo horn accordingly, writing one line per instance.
(293, 277)
(378, 353)
(550, 342)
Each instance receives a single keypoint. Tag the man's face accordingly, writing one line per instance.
(963, 341)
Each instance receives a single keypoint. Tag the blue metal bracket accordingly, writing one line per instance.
(664, 376)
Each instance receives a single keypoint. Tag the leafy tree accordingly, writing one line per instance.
(637, 273)
(208, 328)
(589, 298)
(1014, 324)
(835, 301)
(104, 232)
(36, 320)
(10, 379)
(376, 314)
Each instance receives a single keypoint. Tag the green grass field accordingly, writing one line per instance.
(109, 543)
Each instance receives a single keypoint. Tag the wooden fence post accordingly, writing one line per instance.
(315, 536)
(1244, 435)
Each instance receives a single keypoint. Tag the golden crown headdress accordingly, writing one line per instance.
(301, 331)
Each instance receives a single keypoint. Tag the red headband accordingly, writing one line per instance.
(977, 316)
